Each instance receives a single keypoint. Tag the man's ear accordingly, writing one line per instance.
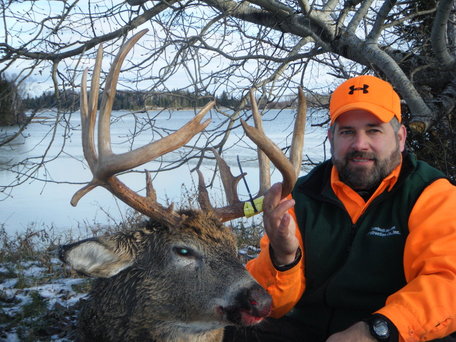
(402, 136)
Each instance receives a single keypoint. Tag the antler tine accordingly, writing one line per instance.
(85, 133)
(229, 182)
(107, 164)
(263, 160)
(89, 111)
(93, 100)
(275, 154)
(297, 142)
(203, 196)
(104, 124)
(150, 191)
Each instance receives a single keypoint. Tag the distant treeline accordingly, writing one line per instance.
(132, 100)
(135, 100)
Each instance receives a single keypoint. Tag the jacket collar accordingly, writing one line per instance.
(323, 182)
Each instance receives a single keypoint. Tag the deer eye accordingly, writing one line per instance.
(183, 251)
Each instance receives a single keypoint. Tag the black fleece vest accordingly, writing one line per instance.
(351, 269)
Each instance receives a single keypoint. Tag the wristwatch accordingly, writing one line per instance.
(379, 328)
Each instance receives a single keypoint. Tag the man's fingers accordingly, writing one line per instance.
(273, 200)
(283, 226)
(285, 205)
(279, 226)
(272, 197)
(284, 242)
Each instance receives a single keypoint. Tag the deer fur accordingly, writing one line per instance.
(161, 283)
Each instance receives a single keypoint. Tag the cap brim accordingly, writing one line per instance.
(381, 113)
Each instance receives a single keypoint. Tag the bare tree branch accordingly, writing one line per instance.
(439, 36)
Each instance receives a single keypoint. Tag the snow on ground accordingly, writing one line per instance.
(36, 304)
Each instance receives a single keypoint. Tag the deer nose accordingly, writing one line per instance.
(259, 301)
(251, 305)
(256, 301)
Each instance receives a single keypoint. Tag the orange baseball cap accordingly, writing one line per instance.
(367, 93)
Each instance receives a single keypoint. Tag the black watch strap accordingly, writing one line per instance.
(382, 329)
(283, 268)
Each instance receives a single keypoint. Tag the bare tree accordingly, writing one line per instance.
(214, 46)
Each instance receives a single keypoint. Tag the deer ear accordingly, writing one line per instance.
(95, 258)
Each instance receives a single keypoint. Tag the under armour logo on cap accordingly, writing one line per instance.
(364, 89)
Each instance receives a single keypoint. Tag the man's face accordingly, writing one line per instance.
(364, 149)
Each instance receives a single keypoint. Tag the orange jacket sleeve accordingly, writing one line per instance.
(285, 288)
(425, 309)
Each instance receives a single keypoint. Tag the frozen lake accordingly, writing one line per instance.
(43, 200)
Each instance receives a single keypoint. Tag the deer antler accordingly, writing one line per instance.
(106, 164)
(267, 150)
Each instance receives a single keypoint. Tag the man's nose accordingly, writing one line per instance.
(360, 141)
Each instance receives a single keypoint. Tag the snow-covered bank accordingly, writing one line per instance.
(38, 301)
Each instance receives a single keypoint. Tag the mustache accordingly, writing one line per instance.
(360, 154)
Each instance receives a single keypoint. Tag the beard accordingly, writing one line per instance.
(366, 178)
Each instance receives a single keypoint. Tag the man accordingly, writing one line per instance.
(366, 248)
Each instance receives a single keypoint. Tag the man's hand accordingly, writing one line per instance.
(356, 333)
(279, 226)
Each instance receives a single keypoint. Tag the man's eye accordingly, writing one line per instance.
(374, 131)
(345, 132)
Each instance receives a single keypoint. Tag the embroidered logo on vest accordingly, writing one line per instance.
(384, 232)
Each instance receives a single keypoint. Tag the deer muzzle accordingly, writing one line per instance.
(250, 307)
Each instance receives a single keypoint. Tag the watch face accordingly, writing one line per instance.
(380, 328)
